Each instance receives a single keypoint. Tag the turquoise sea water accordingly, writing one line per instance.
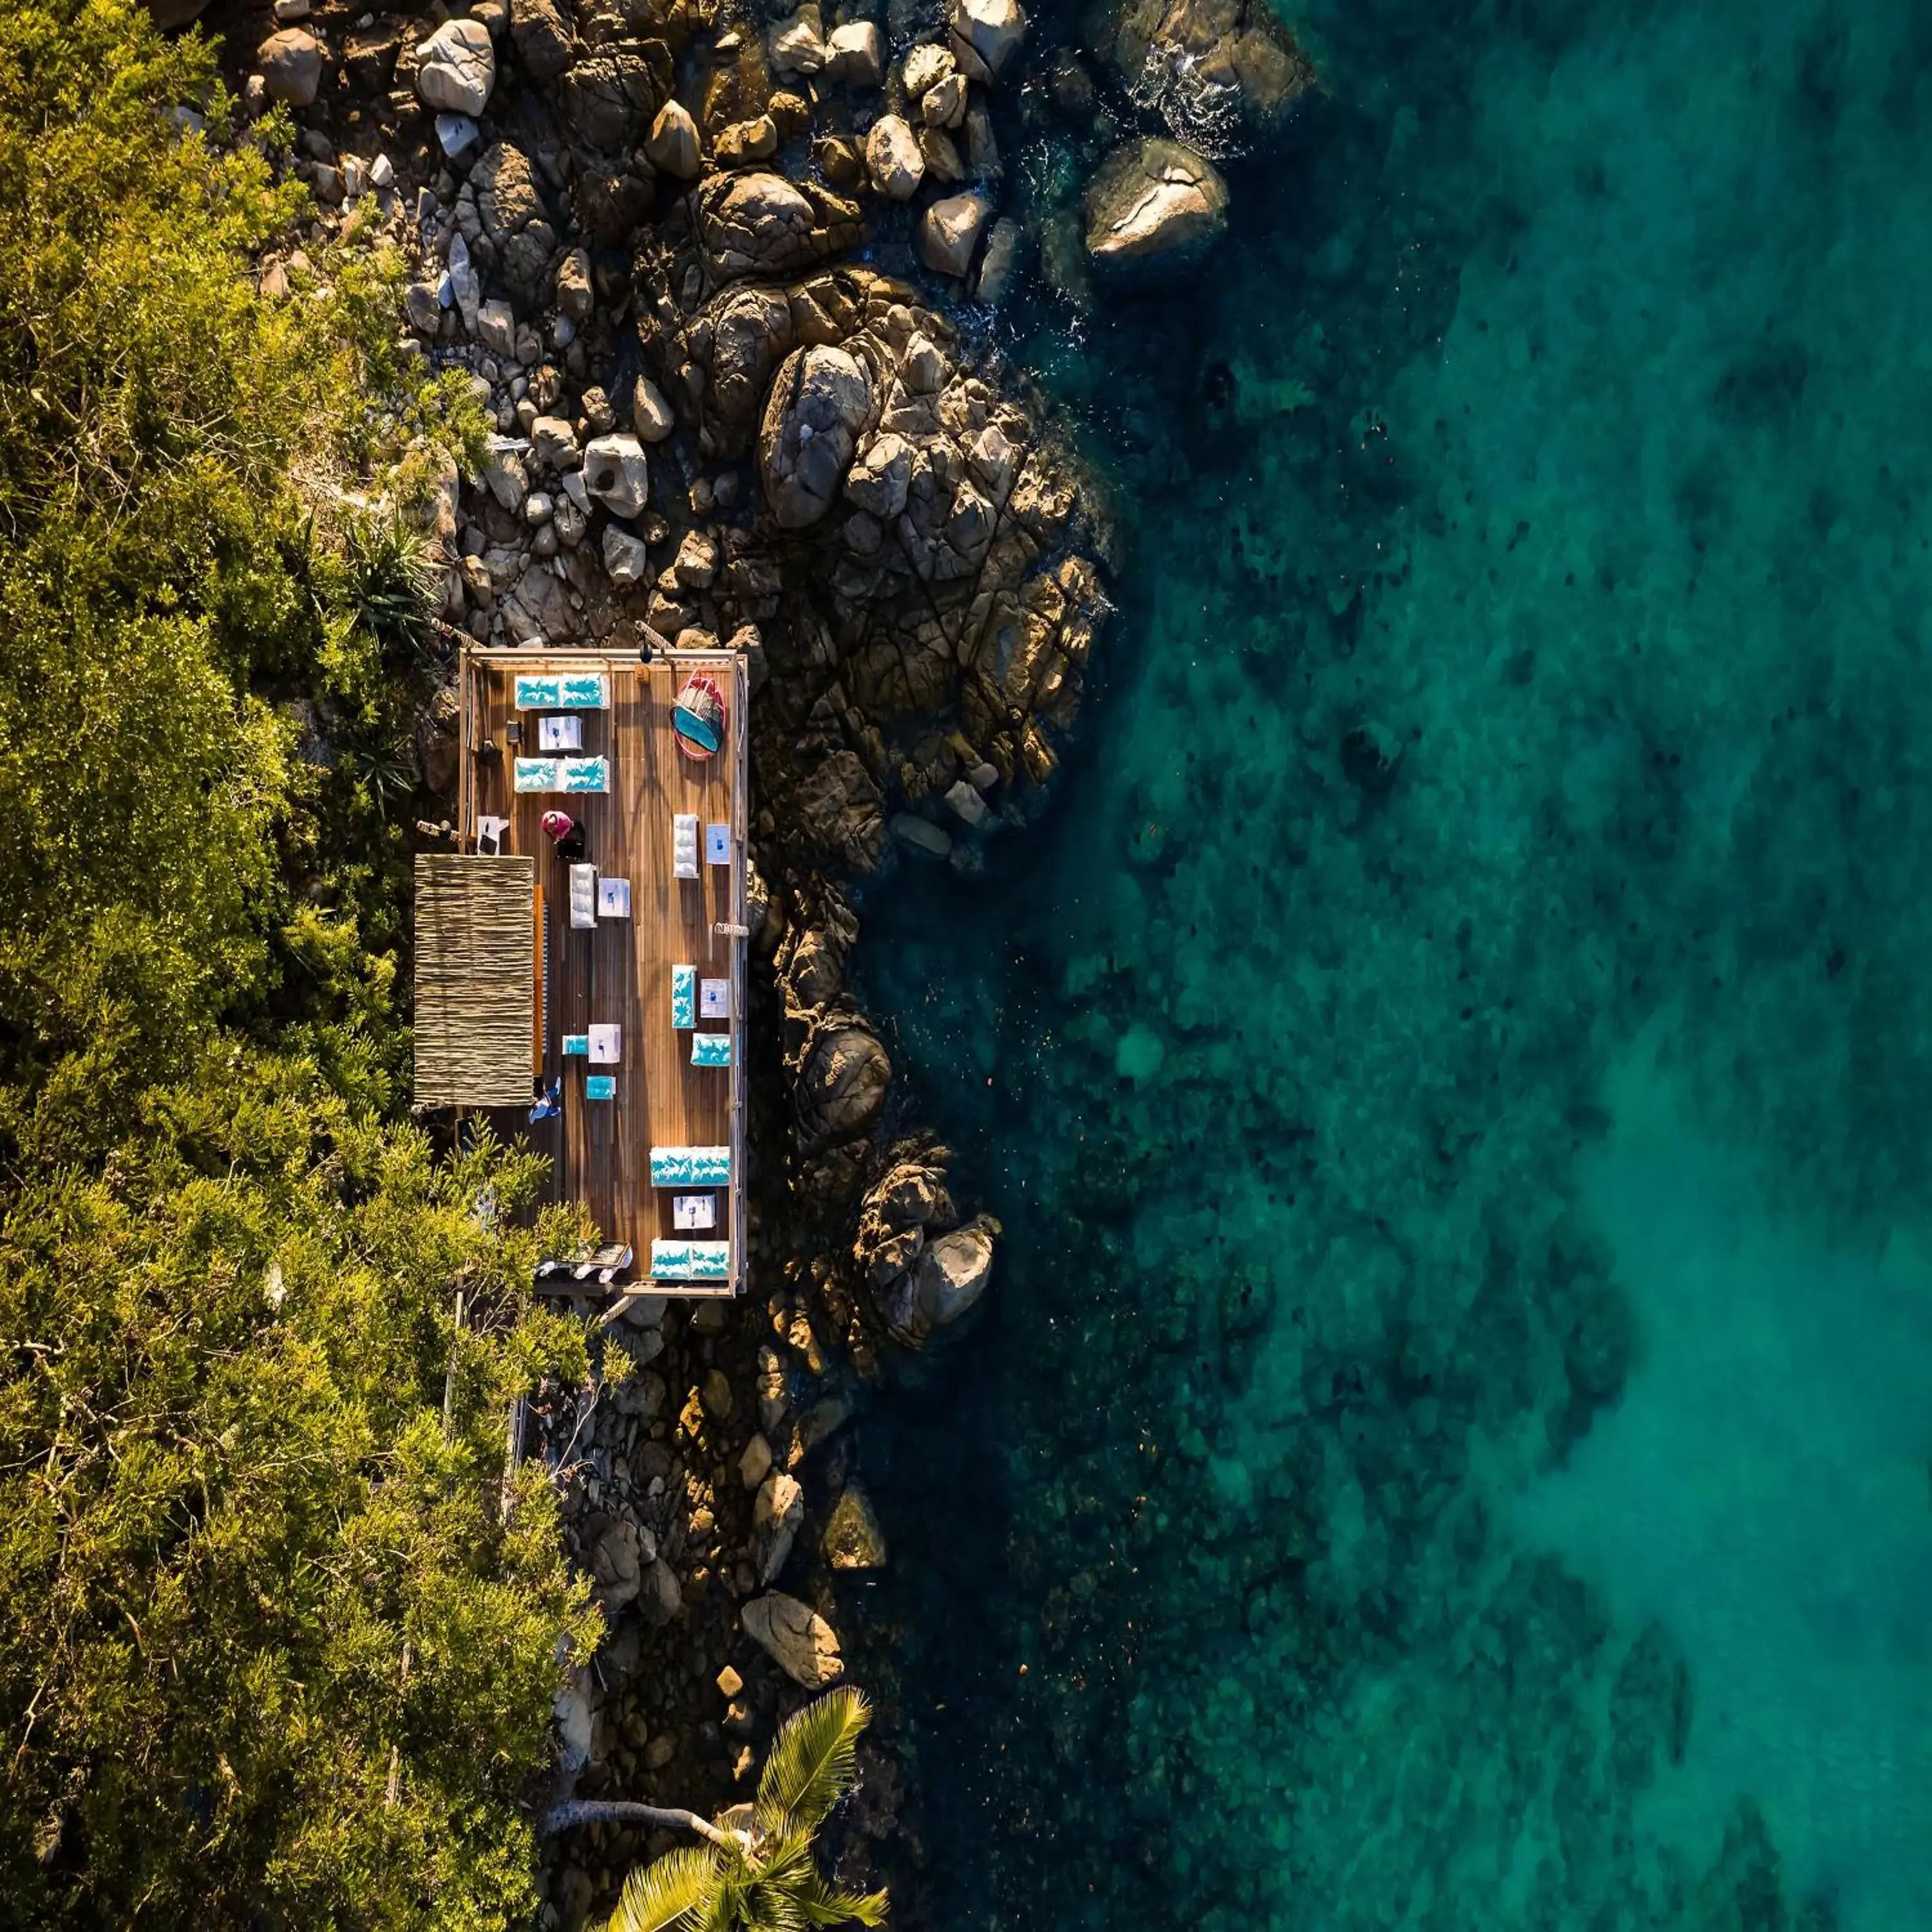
(1452, 1447)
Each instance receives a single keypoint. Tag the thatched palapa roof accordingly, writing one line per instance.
(475, 980)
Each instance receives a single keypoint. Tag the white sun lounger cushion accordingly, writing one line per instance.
(583, 897)
(606, 1046)
(684, 845)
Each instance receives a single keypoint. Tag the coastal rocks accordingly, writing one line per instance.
(626, 561)
(853, 1539)
(999, 261)
(608, 96)
(457, 68)
(616, 472)
(672, 144)
(762, 223)
(909, 1201)
(795, 46)
(516, 221)
(855, 55)
(894, 159)
(796, 1639)
(948, 233)
(618, 1562)
(842, 1083)
(1207, 65)
(540, 30)
(943, 1287)
(291, 64)
(575, 296)
(651, 415)
(740, 340)
(776, 1517)
(992, 29)
(1157, 202)
(821, 400)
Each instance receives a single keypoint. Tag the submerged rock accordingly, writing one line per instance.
(853, 1539)
(1158, 202)
(1205, 66)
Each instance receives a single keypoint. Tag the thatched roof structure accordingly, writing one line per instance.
(475, 980)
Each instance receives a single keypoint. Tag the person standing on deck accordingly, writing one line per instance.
(565, 834)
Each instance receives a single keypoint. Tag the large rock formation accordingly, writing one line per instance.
(1207, 66)
(1156, 204)
(796, 1637)
(821, 400)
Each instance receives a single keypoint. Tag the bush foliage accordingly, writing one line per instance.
(278, 1629)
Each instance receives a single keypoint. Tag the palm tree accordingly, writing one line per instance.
(755, 1871)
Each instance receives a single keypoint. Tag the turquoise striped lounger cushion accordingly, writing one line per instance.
(711, 1049)
(684, 997)
(563, 775)
(575, 691)
(691, 1260)
(600, 1087)
(691, 1166)
(576, 1046)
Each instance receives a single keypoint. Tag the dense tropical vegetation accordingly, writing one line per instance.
(279, 1625)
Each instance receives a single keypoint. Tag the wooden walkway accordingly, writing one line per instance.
(619, 971)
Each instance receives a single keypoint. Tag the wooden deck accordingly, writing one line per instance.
(619, 970)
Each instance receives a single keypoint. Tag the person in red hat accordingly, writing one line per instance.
(565, 834)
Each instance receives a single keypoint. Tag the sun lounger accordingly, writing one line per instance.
(683, 998)
(691, 1260)
(684, 845)
(711, 1049)
(714, 999)
(563, 775)
(691, 1166)
(600, 1087)
(572, 691)
(606, 1046)
(582, 898)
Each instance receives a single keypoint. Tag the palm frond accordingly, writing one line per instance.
(674, 1895)
(813, 1762)
(724, 1909)
(837, 1905)
(774, 1908)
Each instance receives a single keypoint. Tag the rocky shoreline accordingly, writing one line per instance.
(724, 284)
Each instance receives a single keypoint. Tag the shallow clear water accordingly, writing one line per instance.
(1452, 1446)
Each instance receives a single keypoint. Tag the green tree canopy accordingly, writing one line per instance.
(279, 1631)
